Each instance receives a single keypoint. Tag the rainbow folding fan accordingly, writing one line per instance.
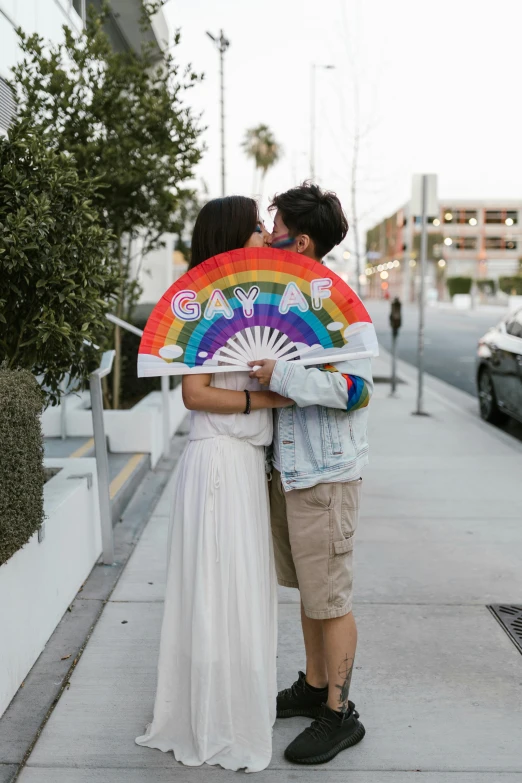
(252, 304)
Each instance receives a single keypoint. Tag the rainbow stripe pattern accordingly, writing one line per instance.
(249, 304)
(358, 394)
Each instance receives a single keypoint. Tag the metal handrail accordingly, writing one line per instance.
(124, 324)
(165, 385)
(102, 459)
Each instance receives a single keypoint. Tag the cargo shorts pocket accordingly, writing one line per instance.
(341, 547)
(341, 573)
(351, 494)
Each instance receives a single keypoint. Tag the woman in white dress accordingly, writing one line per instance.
(216, 693)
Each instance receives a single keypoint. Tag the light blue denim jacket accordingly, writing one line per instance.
(320, 439)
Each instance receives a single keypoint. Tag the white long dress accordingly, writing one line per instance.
(216, 694)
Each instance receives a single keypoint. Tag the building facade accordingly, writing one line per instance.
(481, 239)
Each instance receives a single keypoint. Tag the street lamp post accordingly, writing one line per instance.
(422, 298)
(222, 45)
(313, 70)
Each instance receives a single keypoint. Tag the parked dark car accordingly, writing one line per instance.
(499, 370)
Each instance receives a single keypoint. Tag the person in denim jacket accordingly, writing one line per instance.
(320, 447)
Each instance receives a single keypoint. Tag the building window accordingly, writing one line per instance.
(79, 7)
(493, 243)
(462, 243)
(508, 217)
(500, 243)
(430, 221)
(460, 216)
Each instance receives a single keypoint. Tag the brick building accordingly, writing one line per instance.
(481, 239)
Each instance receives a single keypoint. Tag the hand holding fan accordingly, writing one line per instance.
(251, 304)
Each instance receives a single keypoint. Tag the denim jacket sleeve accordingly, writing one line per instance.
(346, 385)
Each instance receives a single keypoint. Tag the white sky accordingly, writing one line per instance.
(437, 84)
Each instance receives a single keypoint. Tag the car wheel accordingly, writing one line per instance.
(489, 409)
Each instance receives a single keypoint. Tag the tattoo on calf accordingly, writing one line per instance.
(345, 672)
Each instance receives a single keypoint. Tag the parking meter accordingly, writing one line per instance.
(395, 323)
(396, 316)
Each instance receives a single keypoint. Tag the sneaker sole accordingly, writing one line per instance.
(349, 742)
(312, 712)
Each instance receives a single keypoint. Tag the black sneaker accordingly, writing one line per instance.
(326, 737)
(300, 699)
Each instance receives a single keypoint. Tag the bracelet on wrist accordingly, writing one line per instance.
(248, 407)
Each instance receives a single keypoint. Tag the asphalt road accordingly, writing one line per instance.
(450, 342)
(450, 339)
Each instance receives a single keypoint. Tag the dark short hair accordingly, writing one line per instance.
(306, 209)
(222, 224)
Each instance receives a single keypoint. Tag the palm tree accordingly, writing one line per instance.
(260, 145)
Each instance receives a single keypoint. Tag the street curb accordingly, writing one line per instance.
(34, 702)
(455, 398)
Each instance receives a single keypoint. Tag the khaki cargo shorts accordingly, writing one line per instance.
(313, 532)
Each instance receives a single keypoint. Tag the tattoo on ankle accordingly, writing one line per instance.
(345, 672)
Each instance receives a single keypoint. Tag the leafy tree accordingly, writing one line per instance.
(122, 117)
(260, 145)
(56, 272)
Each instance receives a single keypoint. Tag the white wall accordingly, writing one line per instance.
(137, 430)
(41, 579)
(157, 272)
(45, 17)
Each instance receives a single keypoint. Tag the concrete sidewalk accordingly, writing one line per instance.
(437, 680)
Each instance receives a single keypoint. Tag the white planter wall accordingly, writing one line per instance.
(462, 301)
(138, 430)
(41, 580)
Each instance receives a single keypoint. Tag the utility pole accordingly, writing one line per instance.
(406, 256)
(222, 45)
(423, 254)
(312, 122)
(423, 202)
(313, 70)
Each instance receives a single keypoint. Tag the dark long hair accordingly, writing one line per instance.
(223, 224)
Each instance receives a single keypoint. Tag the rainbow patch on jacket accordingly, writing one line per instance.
(358, 395)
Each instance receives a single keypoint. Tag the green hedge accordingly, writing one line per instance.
(486, 286)
(459, 285)
(133, 388)
(511, 285)
(21, 460)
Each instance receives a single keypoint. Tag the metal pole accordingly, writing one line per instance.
(165, 408)
(313, 71)
(102, 461)
(165, 386)
(312, 122)
(63, 408)
(222, 44)
(222, 49)
(406, 273)
(394, 364)
(423, 254)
